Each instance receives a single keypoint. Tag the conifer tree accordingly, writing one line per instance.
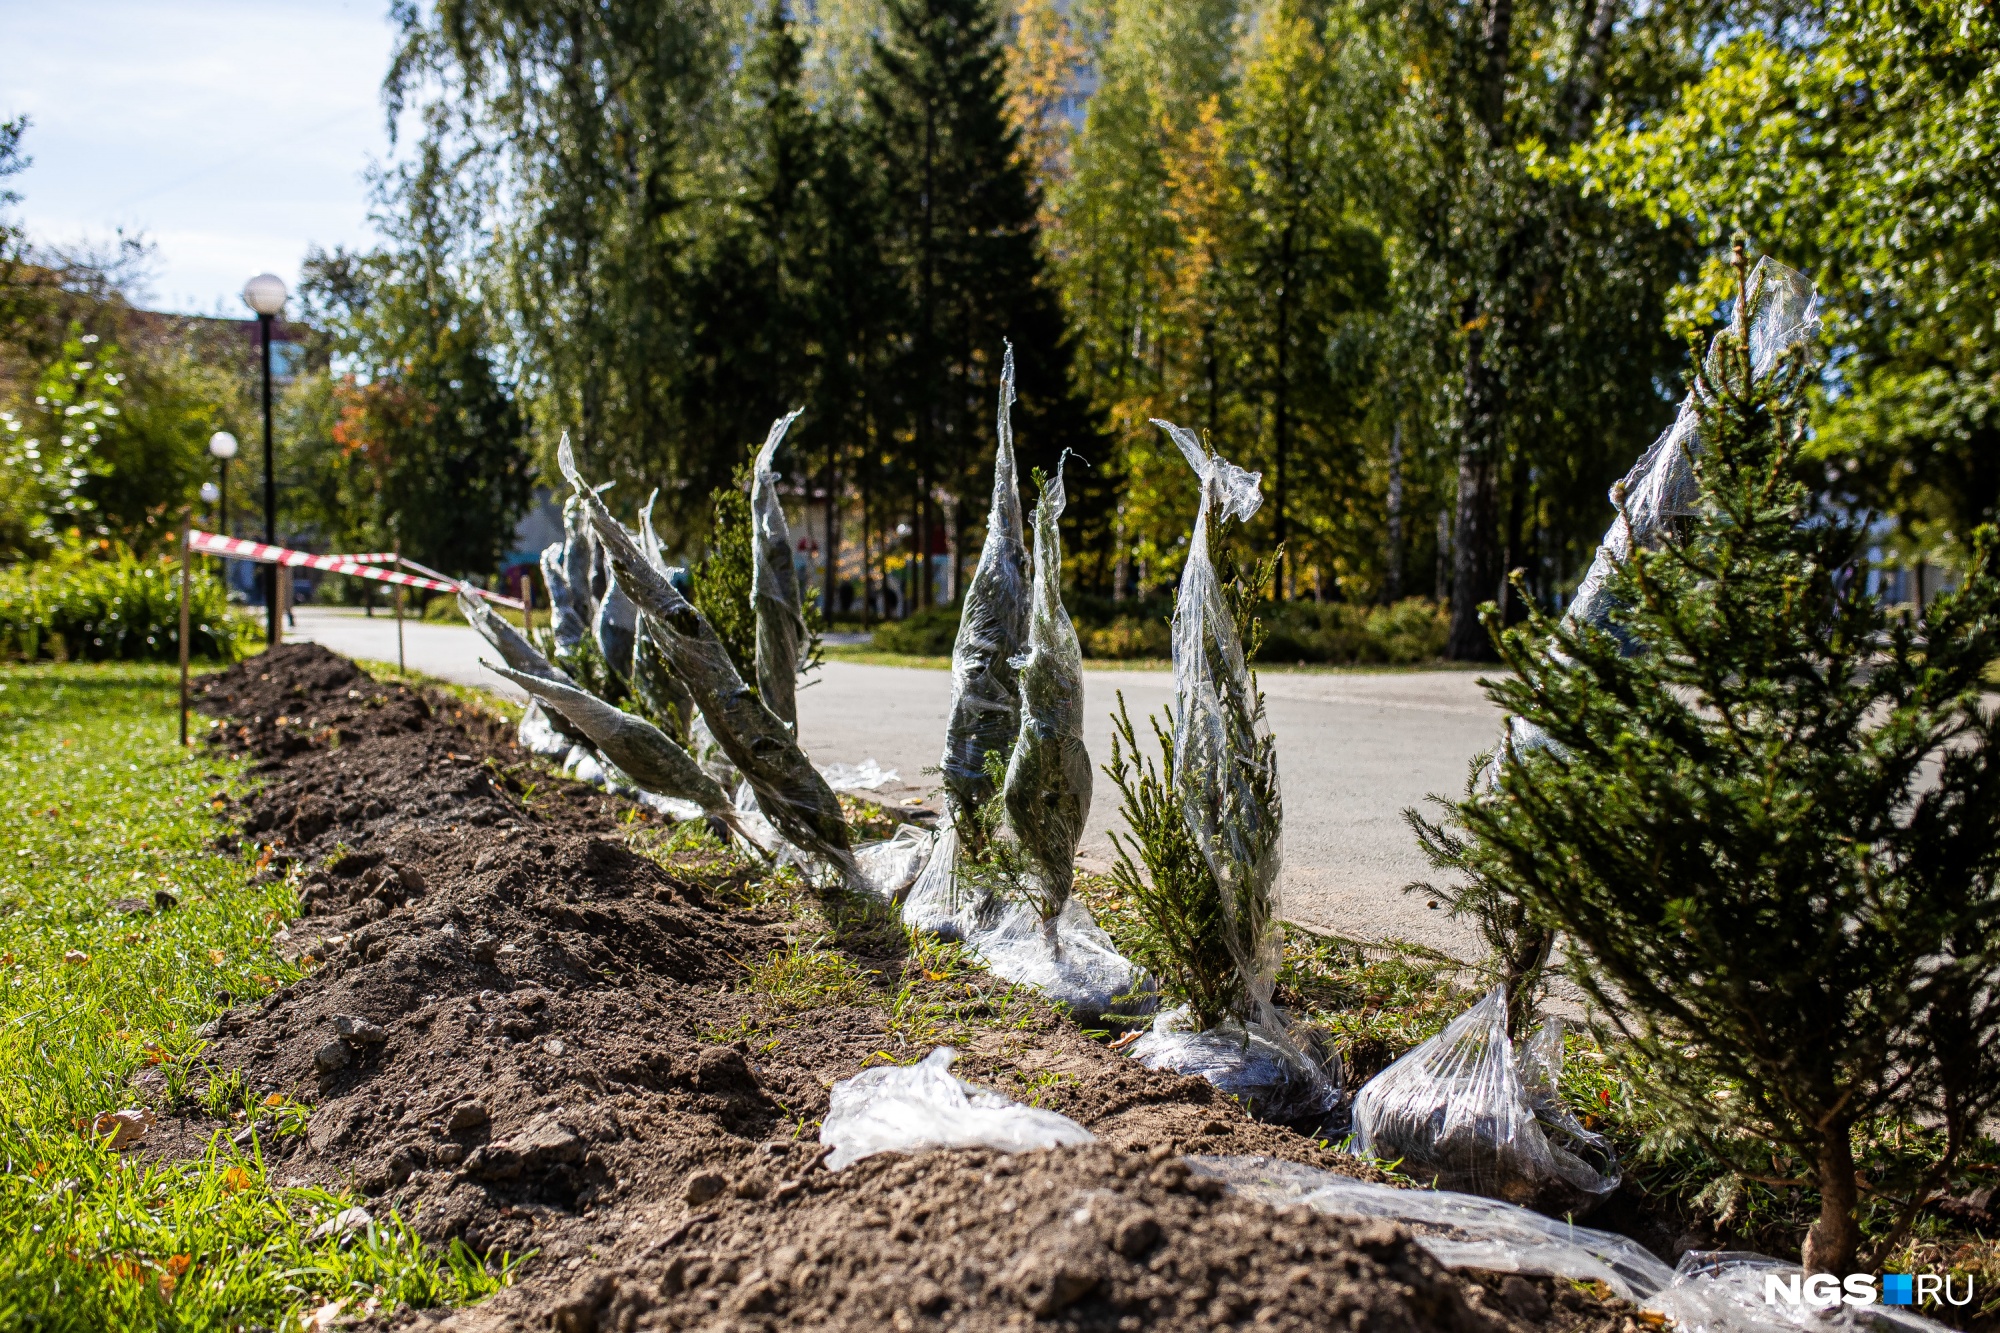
(960, 226)
(1769, 824)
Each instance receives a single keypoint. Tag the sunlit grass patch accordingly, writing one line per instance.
(806, 976)
(127, 919)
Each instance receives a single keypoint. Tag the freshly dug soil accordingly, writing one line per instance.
(521, 1032)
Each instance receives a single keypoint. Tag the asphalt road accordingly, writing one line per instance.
(1354, 751)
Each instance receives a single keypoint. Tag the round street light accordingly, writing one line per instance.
(265, 294)
(222, 448)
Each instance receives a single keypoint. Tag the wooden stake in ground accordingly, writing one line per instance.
(401, 669)
(281, 587)
(187, 567)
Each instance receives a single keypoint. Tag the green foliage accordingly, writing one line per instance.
(1864, 148)
(1406, 632)
(1180, 928)
(1770, 835)
(1178, 932)
(52, 446)
(99, 1013)
(97, 601)
(418, 440)
(930, 632)
(722, 576)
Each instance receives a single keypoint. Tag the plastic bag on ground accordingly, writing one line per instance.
(790, 791)
(868, 775)
(1706, 1293)
(1661, 487)
(924, 1106)
(1048, 777)
(1069, 959)
(774, 584)
(1726, 1292)
(1458, 1110)
(992, 626)
(1248, 1062)
(888, 868)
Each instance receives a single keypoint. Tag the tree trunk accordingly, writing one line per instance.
(1392, 574)
(1476, 540)
(1834, 1239)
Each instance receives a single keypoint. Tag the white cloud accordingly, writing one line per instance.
(233, 133)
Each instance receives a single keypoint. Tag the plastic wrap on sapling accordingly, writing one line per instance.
(790, 791)
(545, 733)
(1048, 782)
(1470, 1112)
(1661, 487)
(640, 750)
(992, 626)
(1224, 753)
(774, 584)
(566, 620)
(615, 629)
(1226, 768)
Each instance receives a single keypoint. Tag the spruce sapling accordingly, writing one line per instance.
(1771, 834)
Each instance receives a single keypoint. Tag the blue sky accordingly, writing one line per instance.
(231, 133)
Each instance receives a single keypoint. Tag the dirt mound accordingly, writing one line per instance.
(1099, 1238)
(520, 1032)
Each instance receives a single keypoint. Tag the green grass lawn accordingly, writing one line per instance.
(101, 990)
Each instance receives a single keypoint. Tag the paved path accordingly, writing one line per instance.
(1354, 750)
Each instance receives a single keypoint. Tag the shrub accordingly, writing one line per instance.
(1410, 631)
(102, 603)
(929, 633)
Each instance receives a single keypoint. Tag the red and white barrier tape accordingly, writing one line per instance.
(237, 548)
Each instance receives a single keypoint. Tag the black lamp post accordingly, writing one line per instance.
(265, 294)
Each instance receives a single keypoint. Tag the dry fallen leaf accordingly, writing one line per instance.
(151, 1053)
(75, 957)
(325, 1318)
(216, 956)
(122, 1127)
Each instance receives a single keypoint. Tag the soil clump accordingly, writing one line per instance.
(520, 1031)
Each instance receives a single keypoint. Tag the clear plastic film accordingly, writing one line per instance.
(1661, 487)
(1226, 759)
(1259, 1067)
(774, 584)
(1048, 777)
(924, 1106)
(579, 564)
(1068, 958)
(992, 625)
(544, 733)
(567, 621)
(790, 791)
(1467, 1110)
(615, 628)
(640, 750)
(1708, 1292)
